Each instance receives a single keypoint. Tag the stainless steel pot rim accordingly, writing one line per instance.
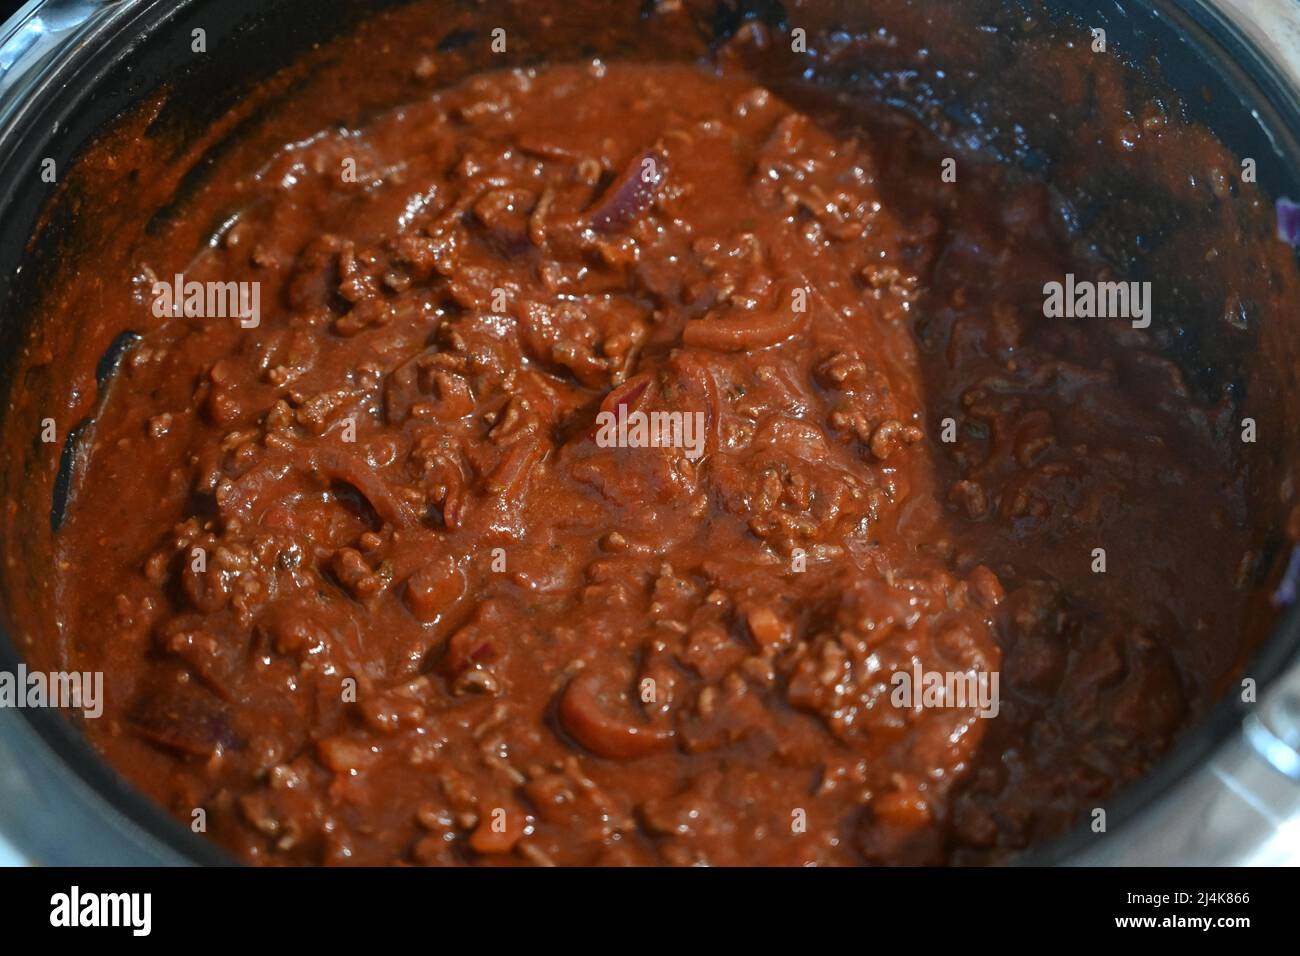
(54, 51)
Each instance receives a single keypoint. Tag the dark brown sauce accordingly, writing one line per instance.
(434, 620)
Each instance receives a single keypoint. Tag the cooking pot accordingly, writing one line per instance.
(1228, 793)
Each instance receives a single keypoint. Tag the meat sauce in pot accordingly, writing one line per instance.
(609, 439)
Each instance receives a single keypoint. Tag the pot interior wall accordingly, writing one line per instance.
(989, 83)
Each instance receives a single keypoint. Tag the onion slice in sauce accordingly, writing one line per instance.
(631, 194)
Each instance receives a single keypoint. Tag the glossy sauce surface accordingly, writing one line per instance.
(369, 588)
